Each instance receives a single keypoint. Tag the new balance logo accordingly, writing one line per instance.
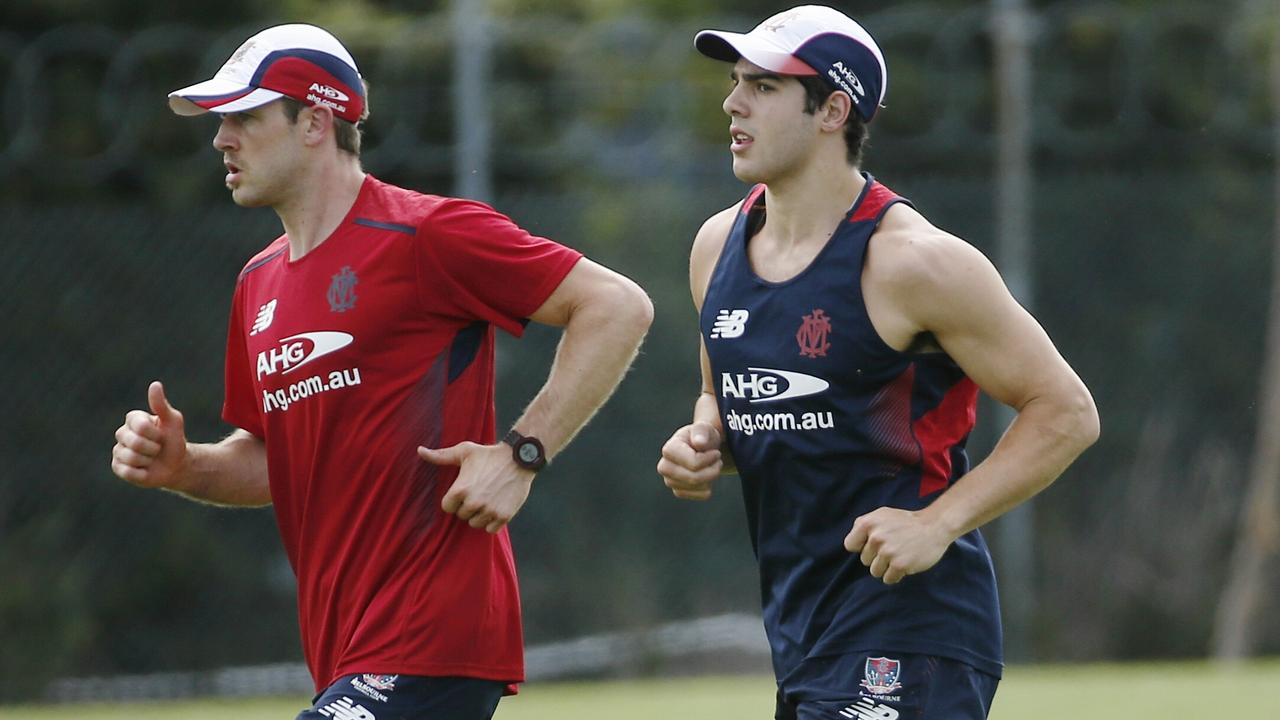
(266, 314)
(868, 709)
(729, 324)
(346, 709)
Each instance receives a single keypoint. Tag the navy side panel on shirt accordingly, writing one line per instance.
(826, 422)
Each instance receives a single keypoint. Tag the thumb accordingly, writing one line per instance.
(700, 437)
(160, 406)
(443, 456)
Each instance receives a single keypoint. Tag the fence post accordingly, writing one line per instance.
(1015, 537)
(1258, 537)
(472, 58)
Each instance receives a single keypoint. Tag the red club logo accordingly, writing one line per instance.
(812, 335)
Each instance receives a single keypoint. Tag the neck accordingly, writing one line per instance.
(810, 204)
(321, 199)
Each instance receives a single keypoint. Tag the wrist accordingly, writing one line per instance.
(527, 452)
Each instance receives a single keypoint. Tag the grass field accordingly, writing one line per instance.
(1055, 692)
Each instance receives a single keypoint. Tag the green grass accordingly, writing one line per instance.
(1046, 692)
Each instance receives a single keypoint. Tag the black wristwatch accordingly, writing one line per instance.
(526, 451)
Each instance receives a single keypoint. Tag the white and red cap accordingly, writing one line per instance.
(303, 62)
(810, 40)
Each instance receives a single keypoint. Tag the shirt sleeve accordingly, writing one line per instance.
(476, 261)
(239, 405)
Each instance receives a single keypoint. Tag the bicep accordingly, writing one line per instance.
(998, 344)
(586, 283)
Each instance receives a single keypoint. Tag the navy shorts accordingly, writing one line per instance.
(887, 686)
(406, 697)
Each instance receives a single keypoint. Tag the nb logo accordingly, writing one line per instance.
(868, 709)
(729, 324)
(266, 314)
(346, 709)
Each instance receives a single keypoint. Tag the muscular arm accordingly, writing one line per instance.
(152, 451)
(919, 281)
(604, 316)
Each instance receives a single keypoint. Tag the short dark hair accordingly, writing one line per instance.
(346, 133)
(816, 92)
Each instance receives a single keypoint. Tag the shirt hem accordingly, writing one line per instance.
(507, 674)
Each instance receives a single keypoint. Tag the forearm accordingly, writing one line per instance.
(599, 343)
(232, 472)
(1043, 440)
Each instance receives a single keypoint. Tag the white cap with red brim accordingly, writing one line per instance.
(303, 62)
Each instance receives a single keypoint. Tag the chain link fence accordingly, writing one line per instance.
(1151, 223)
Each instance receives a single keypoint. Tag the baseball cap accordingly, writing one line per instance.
(809, 40)
(303, 62)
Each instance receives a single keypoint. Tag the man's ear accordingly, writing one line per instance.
(316, 121)
(834, 113)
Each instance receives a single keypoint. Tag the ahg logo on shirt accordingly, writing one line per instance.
(767, 385)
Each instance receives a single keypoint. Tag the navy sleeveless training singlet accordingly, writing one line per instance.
(826, 423)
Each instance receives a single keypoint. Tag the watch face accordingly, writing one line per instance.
(528, 452)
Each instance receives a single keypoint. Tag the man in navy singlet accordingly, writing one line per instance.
(844, 340)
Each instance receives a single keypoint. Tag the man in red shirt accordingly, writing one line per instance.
(363, 333)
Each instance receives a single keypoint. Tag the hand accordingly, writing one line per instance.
(895, 543)
(691, 461)
(151, 448)
(490, 488)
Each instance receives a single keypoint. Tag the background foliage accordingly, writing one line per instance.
(1151, 211)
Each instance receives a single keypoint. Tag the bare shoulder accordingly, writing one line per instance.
(917, 275)
(909, 249)
(707, 245)
(909, 254)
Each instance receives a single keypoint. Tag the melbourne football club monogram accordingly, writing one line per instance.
(342, 291)
(812, 335)
(730, 324)
(780, 21)
(266, 314)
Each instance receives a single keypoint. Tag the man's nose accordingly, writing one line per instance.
(224, 139)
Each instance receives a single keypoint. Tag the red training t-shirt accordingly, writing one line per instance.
(344, 362)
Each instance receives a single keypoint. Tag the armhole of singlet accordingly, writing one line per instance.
(862, 266)
(742, 216)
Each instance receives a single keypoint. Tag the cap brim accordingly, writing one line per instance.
(729, 46)
(220, 96)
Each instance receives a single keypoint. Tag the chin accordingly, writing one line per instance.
(746, 173)
(244, 198)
